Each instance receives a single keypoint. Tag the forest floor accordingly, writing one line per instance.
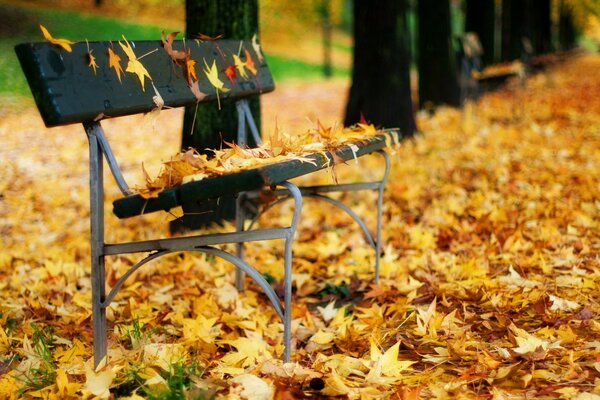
(489, 282)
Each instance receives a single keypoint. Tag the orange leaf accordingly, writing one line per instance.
(92, 61)
(190, 69)
(64, 43)
(250, 62)
(202, 36)
(114, 61)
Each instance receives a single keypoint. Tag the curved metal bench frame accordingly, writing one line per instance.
(99, 150)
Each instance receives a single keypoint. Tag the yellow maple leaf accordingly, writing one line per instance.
(64, 43)
(241, 66)
(201, 328)
(529, 344)
(249, 351)
(134, 65)
(386, 364)
(163, 355)
(98, 383)
(213, 77)
(252, 387)
(322, 337)
(65, 388)
(114, 61)
(212, 73)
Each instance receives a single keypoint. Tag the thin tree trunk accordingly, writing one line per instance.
(544, 42)
(380, 77)
(480, 18)
(438, 79)
(567, 36)
(324, 11)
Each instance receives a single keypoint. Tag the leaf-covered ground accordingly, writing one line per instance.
(489, 280)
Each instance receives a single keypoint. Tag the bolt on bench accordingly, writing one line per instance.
(67, 90)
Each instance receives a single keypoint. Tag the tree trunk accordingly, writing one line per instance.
(207, 126)
(567, 36)
(235, 19)
(513, 28)
(480, 18)
(324, 11)
(526, 28)
(543, 42)
(438, 79)
(380, 88)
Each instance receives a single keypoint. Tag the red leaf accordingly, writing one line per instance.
(230, 73)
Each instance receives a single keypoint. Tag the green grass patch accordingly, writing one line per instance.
(288, 68)
(22, 25)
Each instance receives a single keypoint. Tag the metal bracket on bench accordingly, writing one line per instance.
(95, 129)
(245, 116)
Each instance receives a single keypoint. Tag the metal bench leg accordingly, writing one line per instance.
(97, 247)
(287, 280)
(240, 218)
(381, 188)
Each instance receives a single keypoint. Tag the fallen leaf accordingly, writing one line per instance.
(64, 43)
(252, 387)
(134, 66)
(114, 62)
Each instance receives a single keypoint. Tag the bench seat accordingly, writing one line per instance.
(247, 180)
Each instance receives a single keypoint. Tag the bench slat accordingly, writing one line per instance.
(247, 180)
(66, 89)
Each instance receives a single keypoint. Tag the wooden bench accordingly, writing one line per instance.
(68, 90)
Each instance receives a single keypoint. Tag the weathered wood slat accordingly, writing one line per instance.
(67, 90)
(251, 179)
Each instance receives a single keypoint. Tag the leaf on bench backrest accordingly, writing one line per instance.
(67, 90)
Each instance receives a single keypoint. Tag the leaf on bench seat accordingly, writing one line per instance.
(326, 142)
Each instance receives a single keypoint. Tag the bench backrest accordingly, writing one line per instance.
(68, 90)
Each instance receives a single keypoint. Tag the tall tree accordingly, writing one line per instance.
(438, 79)
(381, 68)
(513, 20)
(323, 8)
(480, 19)
(526, 28)
(207, 126)
(543, 26)
(567, 36)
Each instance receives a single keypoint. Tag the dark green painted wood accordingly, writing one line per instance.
(246, 180)
(66, 89)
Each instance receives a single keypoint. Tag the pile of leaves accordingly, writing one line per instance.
(191, 166)
(489, 282)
